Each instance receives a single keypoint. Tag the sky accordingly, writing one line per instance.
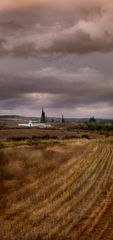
(56, 54)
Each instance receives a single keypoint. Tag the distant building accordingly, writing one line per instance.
(32, 124)
(29, 124)
(43, 117)
(43, 122)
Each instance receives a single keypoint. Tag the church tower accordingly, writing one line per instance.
(43, 117)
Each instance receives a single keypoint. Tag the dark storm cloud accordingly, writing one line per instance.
(72, 40)
(81, 43)
(47, 48)
(9, 26)
(3, 50)
(77, 27)
(84, 87)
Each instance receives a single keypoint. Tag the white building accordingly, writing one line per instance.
(32, 124)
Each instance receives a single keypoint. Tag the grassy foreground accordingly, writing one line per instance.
(57, 190)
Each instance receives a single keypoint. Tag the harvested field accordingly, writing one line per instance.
(57, 191)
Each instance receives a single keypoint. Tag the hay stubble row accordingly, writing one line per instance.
(69, 201)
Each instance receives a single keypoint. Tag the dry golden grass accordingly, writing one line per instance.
(57, 191)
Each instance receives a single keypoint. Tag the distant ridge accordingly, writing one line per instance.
(68, 119)
(11, 116)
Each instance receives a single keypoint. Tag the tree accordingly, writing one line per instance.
(43, 116)
(92, 119)
(63, 121)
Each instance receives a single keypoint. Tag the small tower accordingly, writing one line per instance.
(43, 117)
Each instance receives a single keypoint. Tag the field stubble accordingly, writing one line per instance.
(57, 191)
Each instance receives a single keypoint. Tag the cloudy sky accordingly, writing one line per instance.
(56, 54)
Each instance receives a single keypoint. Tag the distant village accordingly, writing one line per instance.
(43, 123)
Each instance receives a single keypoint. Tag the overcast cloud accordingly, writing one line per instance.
(57, 54)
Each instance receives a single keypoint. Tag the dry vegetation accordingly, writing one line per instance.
(57, 191)
(23, 134)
